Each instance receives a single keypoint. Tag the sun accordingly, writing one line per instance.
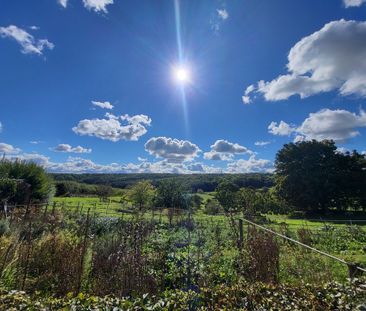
(181, 74)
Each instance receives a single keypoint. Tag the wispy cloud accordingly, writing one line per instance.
(69, 149)
(353, 3)
(97, 5)
(103, 105)
(63, 3)
(28, 43)
(262, 143)
(218, 18)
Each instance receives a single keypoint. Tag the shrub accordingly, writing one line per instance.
(29, 179)
(212, 207)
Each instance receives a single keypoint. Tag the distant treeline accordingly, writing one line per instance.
(205, 182)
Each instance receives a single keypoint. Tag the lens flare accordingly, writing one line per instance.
(181, 75)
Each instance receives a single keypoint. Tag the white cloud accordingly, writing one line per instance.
(246, 98)
(34, 27)
(80, 165)
(218, 18)
(103, 105)
(342, 150)
(353, 3)
(97, 5)
(217, 156)
(281, 129)
(262, 143)
(223, 13)
(333, 58)
(111, 128)
(68, 148)
(338, 125)
(223, 150)
(29, 44)
(63, 3)
(1, 127)
(249, 166)
(173, 150)
(8, 149)
(35, 142)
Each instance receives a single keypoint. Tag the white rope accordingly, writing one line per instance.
(304, 245)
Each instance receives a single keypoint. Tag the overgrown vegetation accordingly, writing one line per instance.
(167, 245)
(22, 182)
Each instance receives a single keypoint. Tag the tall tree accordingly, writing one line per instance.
(226, 194)
(313, 176)
(142, 194)
(171, 194)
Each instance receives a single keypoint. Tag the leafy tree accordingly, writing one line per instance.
(250, 201)
(104, 191)
(21, 181)
(226, 194)
(196, 201)
(8, 188)
(171, 194)
(212, 207)
(142, 194)
(313, 176)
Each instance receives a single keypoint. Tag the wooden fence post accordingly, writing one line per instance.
(241, 238)
(83, 251)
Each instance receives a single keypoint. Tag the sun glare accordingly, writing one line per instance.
(181, 75)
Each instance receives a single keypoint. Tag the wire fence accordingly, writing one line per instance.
(199, 236)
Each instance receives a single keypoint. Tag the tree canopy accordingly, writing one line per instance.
(22, 181)
(314, 176)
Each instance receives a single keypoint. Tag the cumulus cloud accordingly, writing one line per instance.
(69, 149)
(114, 128)
(173, 150)
(97, 5)
(338, 125)
(63, 3)
(81, 165)
(281, 129)
(262, 143)
(353, 3)
(103, 105)
(8, 149)
(333, 58)
(249, 166)
(223, 150)
(29, 44)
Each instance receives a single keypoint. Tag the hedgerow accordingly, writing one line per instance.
(242, 296)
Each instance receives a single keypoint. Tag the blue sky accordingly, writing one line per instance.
(178, 86)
